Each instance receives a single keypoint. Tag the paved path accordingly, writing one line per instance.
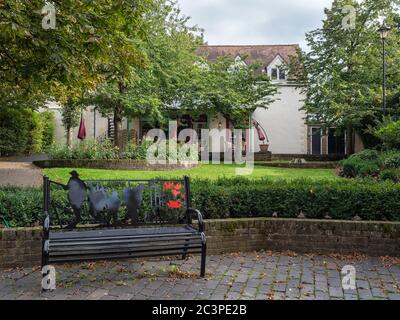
(20, 174)
(264, 275)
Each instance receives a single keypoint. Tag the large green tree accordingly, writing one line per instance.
(227, 86)
(342, 71)
(37, 63)
(169, 55)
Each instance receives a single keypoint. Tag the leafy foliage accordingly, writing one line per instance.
(371, 163)
(25, 131)
(342, 72)
(240, 198)
(390, 134)
(93, 150)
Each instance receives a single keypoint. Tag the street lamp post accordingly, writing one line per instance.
(384, 32)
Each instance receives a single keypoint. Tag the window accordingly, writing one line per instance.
(282, 74)
(274, 74)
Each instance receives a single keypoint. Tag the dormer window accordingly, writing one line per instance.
(278, 74)
(276, 69)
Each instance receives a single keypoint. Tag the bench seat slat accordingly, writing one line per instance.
(103, 252)
(116, 257)
(119, 246)
(131, 232)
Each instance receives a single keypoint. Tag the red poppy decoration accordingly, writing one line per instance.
(174, 204)
(173, 191)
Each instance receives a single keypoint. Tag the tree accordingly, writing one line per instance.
(343, 68)
(70, 111)
(42, 63)
(169, 55)
(229, 87)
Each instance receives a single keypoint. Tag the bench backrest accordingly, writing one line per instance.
(117, 202)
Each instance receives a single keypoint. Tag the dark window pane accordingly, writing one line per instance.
(316, 141)
(282, 74)
(274, 74)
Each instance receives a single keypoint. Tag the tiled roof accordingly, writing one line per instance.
(263, 53)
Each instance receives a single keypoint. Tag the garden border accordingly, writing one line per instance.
(306, 165)
(119, 164)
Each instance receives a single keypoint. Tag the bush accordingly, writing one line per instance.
(338, 199)
(365, 163)
(371, 163)
(88, 149)
(391, 159)
(240, 198)
(92, 150)
(14, 131)
(391, 174)
(49, 128)
(25, 131)
(390, 134)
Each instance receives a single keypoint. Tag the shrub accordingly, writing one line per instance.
(371, 163)
(391, 174)
(25, 131)
(240, 198)
(390, 134)
(391, 159)
(14, 131)
(92, 150)
(49, 128)
(365, 163)
(88, 149)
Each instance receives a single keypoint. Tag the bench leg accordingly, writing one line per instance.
(203, 260)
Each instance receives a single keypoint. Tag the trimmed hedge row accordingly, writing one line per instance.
(239, 198)
(315, 199)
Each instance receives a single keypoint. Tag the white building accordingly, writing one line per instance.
(283, 120)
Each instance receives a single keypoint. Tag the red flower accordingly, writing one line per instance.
(178, 186)
(174, 204)
(168, 185)
(175, 193)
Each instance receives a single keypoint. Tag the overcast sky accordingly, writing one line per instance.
(255, 21)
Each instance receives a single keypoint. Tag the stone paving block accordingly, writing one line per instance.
(336, 292)
(321, 295)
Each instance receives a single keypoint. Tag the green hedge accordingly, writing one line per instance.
(238, 198)
(23, 131)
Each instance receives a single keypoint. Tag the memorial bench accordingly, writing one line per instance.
(118, 219)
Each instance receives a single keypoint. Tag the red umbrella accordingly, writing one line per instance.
(82, 129)
(262, 135)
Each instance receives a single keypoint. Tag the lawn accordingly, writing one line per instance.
(203, 171)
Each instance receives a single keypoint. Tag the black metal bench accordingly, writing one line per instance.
(119, 219)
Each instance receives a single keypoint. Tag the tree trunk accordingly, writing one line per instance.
(349, 140)
(69, 137)
(117, 127)
(118, 116)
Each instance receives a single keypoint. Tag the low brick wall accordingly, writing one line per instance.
(304, 236)
(22, 246)
(113, 164)
(308, 157)
(307, 165)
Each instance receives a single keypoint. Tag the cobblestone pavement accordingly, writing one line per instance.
(262, 275)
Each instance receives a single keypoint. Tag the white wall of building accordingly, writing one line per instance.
(89, 117)
(284, 122)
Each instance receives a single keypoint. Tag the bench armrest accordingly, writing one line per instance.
(199, 217)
